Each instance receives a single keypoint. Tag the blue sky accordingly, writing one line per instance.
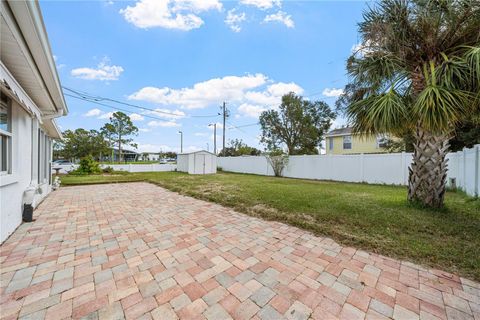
(185, 57)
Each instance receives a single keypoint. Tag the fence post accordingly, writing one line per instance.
(464, 180)
(362, 169)
(477, 169)
(404, 170)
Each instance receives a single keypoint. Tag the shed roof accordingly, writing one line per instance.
(213, 154)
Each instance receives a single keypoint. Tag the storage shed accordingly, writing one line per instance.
(198, 162)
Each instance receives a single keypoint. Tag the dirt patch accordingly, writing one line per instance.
(263, 209)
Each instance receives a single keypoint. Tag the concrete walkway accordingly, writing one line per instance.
(138, 251)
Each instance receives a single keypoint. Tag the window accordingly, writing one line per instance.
(347, 142)
(5, 135)
(382, 141)
(44, 157)
(330, 144)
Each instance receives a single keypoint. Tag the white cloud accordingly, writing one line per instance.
(219, 126)
(362, 48)
(169, 14)
(233, 20)
(281, 17)
(136, 117)
(251, 111)
(202, 94)
(144, 129)
(165, 124)
(166, 113)
(106, 115)
(59, 65)
(272, 96)
(262, 4)
(253, 94)
(332, 92)
(103, 72)
(147, 147)
(93, 112)
(200, 134)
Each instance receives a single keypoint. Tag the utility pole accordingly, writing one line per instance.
(214, 137)
(225, 115)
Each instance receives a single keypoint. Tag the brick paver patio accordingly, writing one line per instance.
(138, 251)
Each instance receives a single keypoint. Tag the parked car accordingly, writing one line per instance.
(63, 166)
(62, 163)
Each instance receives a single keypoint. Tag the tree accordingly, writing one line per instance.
(81, 143)
(170, 155)
(298, 124)
(108, 131)
(120, 129)
(467, 134)
(239, 148)
(417, 71)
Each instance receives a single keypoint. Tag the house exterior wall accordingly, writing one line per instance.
(153, 157)
(360, 144)
(24, 156)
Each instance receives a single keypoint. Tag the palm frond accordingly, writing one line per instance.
(439, 108)
(472, 58)
(383, 113)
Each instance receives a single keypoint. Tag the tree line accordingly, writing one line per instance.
(99, 144)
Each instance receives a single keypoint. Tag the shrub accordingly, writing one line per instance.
(87, 166)
(278, 160)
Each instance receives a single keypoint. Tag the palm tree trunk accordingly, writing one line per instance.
(428, 172)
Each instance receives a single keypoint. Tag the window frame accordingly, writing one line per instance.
(347, 143)
(379, 139)
(7, 136)
(330, 143)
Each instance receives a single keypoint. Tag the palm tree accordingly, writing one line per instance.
(417, 71)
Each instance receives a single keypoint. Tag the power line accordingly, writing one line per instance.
(247, 125)
(93, 98)
(240, 129)
(111, 107)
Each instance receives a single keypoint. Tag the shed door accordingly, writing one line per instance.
(200, 164)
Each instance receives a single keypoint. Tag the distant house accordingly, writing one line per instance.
(127, 155)
(31, 99)
(344, 141)
(150, 156)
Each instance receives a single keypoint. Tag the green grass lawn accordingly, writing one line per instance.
(373, 217)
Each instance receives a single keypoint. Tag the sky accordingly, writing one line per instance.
(181, 59)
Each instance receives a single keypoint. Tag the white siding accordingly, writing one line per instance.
(13, 186)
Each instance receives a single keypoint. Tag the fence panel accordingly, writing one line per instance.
(388, 168)
(155, 167)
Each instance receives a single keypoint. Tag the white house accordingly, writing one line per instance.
(31, 98)
(198, 162)
(150, 156)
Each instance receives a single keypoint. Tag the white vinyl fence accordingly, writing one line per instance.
(154, 167)
(388, 168)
